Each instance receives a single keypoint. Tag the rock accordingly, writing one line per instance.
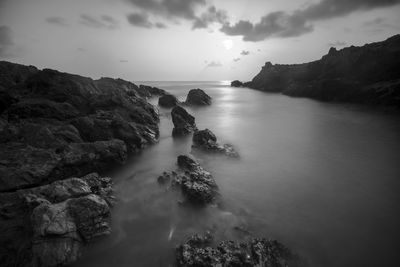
(207, 141)
(236, 83)
(150, 91)
(184, 123)
(196, 251)
(197, 185)
(198, 97)
(6, 100)
(369, 74)
(56, 220)
(167, 101)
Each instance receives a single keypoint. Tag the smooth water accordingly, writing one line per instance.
(324, 179)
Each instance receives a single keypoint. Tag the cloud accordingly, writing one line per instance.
(59, 21)
(282, 24)
(104, 21)
(337, 44)
(245, 53)
(214, 64)
(139, 20)
(236, 59)
(170, 9)
(211, 15)
(124, 61)
(142, 20)
(6, 41)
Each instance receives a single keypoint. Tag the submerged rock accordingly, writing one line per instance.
(55, 221)
(167, 101)
(198, 97)
(197, 251)
(197, 185)
(206, 140)
(184, 123)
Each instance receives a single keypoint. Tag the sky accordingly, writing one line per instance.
(185, 40)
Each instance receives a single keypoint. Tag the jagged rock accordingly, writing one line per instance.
(197, 251)
(236, 83)
(198, 97)
(150, 91)
(369, 74)
(167, 101)
(206, 140)
(197, 185)
(55, 220)
(184, 123)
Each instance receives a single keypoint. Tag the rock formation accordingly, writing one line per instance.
(207, 141)
(184, 123)
(150, 91)
(54, 126)
(197, 251)
(167, 101)
(236, 83)
(369, 74)
(197, 185)
(198, 97)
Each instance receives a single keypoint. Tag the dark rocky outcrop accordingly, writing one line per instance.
(168, 101)
(369, 74)
(49, 225)
(150, 91)
(184, 123)
(207, 141)
(197, 185)
(198, 97)
(236, 83)
(198, 251)
(54, 126)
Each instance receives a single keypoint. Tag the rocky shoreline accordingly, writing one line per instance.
(367, 75)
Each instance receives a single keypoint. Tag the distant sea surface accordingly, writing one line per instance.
(322, 178)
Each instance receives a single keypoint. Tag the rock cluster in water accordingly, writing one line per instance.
(197, 251)
(197, 185)
(198, 97)
(184, 123)
(207, 141)
(54, 126)
(369, 74)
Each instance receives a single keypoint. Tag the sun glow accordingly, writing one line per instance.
(228, 44)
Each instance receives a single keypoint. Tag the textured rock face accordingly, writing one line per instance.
(167, 101)
(197, 251)
(54, 126)
(197, 185)
(369, 74)
(207, 141)
(150, 91)
(50, 224)
(184, 123)
(198, 97)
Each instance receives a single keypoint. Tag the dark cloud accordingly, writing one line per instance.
(6, 41)
(214, 64)
(211, 15)
(160, 25)
(282, 24)
(337, 44)
(236, 59)
(104, 21)
(139, 20)
(245, 53)
(59, 21)
(170, 8)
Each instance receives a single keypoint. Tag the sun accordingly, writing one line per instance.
(228, 44)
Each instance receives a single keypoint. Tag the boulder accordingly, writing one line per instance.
(184, 123)
(236, 83)
(167, 101)
(196, 184)
(197, 251)
(207, 141)
(198, 97)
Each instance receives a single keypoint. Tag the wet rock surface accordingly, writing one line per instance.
(49, 225)
(197, 185)
(198, 97)
(207, 141)
(198, 251)
(184, 123)
(168, 101)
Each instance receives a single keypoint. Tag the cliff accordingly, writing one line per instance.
(369, 74)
